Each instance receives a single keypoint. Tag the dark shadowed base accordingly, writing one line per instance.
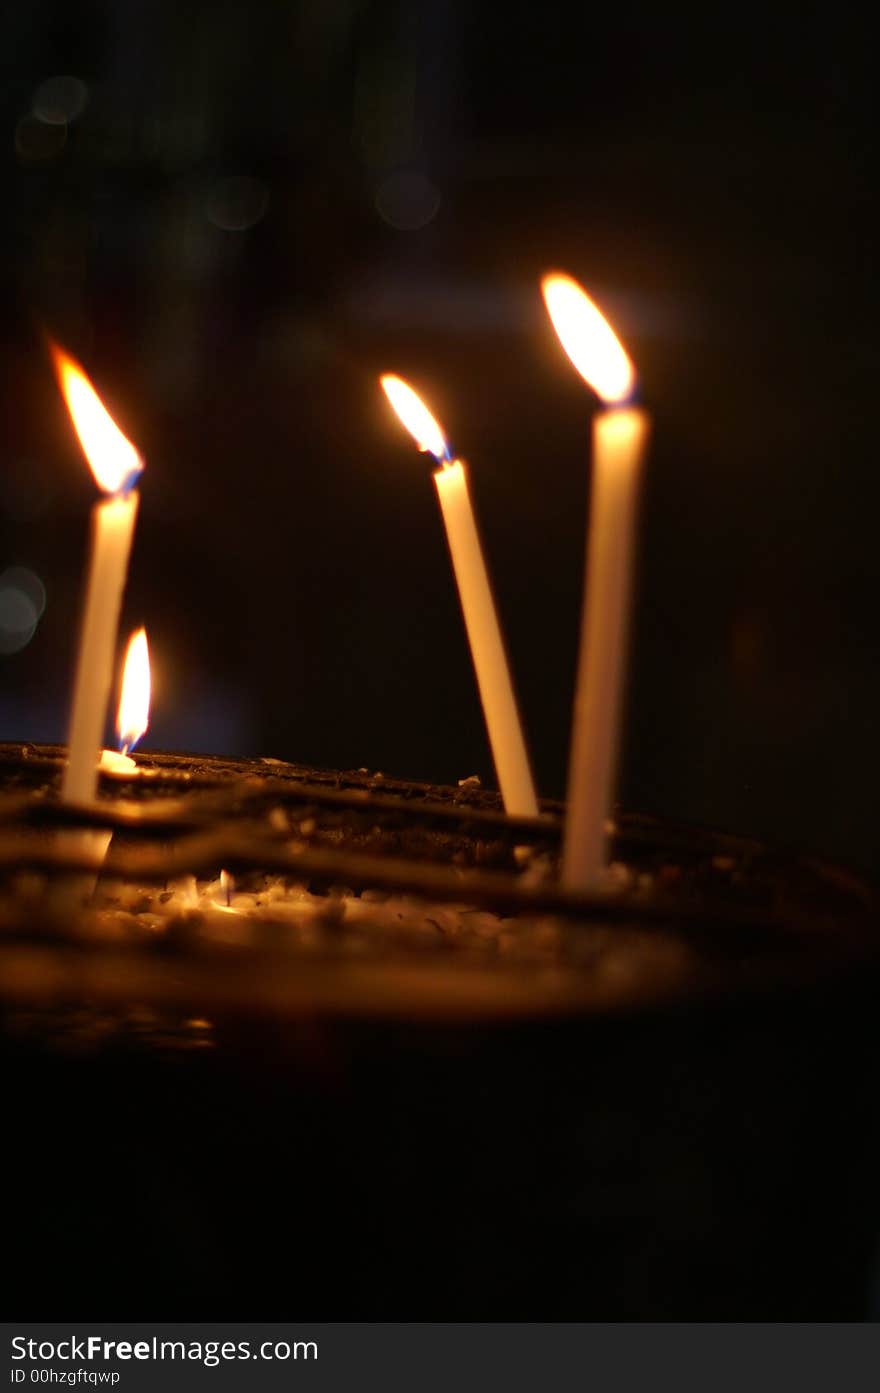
(694, 1165)
(710, 1154)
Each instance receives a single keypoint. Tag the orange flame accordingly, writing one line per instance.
(227, 888)
(134, 701)
(113, 459)
(413, 413)
(588, 339)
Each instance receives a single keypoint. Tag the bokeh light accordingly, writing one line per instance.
(22, 601)
(236, 204)
(407, 200)
(59, 100)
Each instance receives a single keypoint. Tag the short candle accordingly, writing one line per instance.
(133, 716)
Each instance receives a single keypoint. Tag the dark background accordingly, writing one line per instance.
(238, 215)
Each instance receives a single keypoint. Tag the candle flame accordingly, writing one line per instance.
(134, 701)
(113, 459)
(588, 339)
(227, 887)
(413, 413)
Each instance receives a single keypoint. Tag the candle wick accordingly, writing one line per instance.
(129, 482)
(446, 458)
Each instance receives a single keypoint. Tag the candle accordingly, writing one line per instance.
(117, 764)
(620, 434)
(116, 466)
(133, 716)
(227, 913)
(478, 606)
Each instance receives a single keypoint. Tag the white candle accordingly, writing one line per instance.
(133, 715)
(495, 684)
(619, 439)
(112, 531)
(117, 765)
(487, 646)
(620, 435)
(116, 465)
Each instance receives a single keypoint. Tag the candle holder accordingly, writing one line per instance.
(403, 1074)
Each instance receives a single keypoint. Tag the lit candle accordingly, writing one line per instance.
(620, 435)
(116, 466)
(133, 716)
(227, 913)
(132, 720)
(475, 592)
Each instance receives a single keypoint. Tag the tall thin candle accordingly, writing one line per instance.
(620, 435)
(478, 606)
(116, 465)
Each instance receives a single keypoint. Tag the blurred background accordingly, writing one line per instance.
(238, 216)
